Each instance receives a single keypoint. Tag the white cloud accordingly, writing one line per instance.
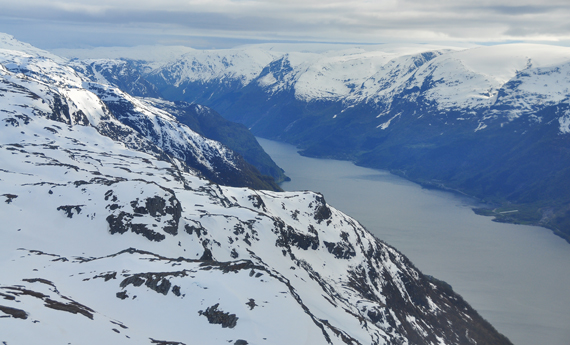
(364, 21)
(74, 7)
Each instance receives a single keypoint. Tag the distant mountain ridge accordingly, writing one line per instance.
(491, 122)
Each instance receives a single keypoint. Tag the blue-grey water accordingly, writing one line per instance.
(517, 277)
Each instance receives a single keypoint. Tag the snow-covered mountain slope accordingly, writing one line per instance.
(452, 80)
(105, 244)
(459, 79)
(147, 57)
(210, 124)
(478, 78)
(231, 65)
(10, 43)
(208, 73)
(466, 78)
(64, 94)
(523, 77)
(490, 121)
(119, 73)
(123, 75)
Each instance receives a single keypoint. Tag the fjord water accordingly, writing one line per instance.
(517, 277)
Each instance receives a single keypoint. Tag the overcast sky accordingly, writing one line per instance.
(226, 23)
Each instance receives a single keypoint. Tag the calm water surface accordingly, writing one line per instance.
(517, 277)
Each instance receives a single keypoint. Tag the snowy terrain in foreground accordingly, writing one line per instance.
(278, 267)
(108, 237)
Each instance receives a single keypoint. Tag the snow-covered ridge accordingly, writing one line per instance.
(455, 78)
(205, 65)
(10, 43)
(463, 79)
(58, 91)
(96, 235)
(472, 78)
(460, 78)
(155, 56)
(517, 79)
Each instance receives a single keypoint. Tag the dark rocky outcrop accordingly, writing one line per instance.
(166, 213)
(322, 211)
(68, 209)
(165, 342)
(71, 307)
(14, 312)
(288, 237)
(216, 316)
(341, 250)
(9, 197)
(154, 281)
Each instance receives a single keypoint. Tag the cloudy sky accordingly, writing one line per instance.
(226, 23)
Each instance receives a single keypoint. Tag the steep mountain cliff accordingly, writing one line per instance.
(201, 119)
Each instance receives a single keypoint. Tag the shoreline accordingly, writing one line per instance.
(488, 208)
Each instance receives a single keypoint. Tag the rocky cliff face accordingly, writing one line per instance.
(109, 237)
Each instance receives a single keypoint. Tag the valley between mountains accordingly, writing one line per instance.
(123, 225)
(489, 122)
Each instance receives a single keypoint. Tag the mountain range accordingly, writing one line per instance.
(491, 122)
(122, 225)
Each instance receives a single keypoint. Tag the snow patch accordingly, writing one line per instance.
(564, 122)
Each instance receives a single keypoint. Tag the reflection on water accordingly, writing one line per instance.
(517, 277)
